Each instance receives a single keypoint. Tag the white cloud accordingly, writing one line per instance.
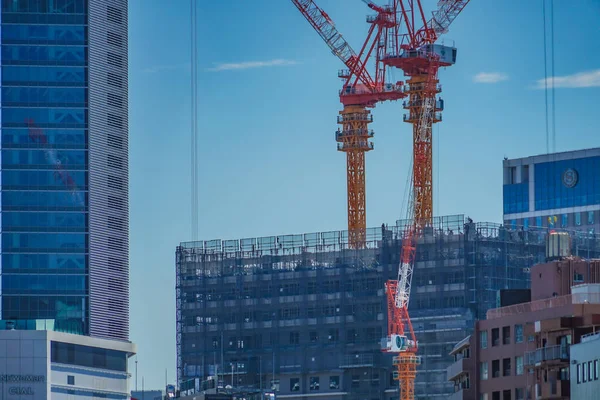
(252, 64)
(490, 77)
(578, 80)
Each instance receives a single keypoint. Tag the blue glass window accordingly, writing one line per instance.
(63, 138)
(565, 220)
(43, 284)
(44, 117)
(45, 222)
(516, 198)
(538, 222)
(44, 76)
(526, 223)
(44, 261)
(44, 159)
(55, 180)
(44, 6)
(43, 55)
(42, 307)
(38, 96)
(578, 218)
(28, 242)
(59, 201)
(590, 218)
(567, 183)
(44, 34)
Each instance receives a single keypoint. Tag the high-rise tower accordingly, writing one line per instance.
(64, 166)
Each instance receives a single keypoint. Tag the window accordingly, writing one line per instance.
(518, 333)
(585, 372)
(495, 337)
(506, 395)
(578, 219)
(355, 381)
(294, 384)
(506, 335)
(70, 380)
(596, 370)
(483, 396)
(314, 383)
(519, 394)
(495, 395)
(590, 371)
(294, 337)
(565, 220)
(590, 218)
(483, 370)
(275, 385)
(314, 337)
(333, 336)
(577, 277)
(538, 222)
(578, 373)
(334, 382)
(531, 338)
(483, 339)
(519, 365)
(495, 368)
(506, 367)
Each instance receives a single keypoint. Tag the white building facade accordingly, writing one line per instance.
(38, 365)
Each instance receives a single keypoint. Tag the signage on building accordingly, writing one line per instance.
(570, 177)
(22, 381)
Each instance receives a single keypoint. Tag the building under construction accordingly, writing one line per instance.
(305, 314)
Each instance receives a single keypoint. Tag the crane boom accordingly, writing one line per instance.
(325, 27)
(445, 14)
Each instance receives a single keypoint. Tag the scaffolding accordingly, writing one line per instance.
(305, 313)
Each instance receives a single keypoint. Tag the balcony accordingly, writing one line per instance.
(551, 354)
(544, 304)
(357, 360)
(455, 370)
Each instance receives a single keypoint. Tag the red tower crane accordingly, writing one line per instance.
(361, 90)
(417, 54)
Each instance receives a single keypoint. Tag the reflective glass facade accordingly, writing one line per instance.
(516, 198)
(567, 183)
(44, 163)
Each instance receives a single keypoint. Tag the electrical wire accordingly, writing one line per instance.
(553, 75)
(546, 77)
(194, 119)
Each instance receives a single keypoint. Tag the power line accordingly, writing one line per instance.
(546, 77)
(194, 119)
(553, 75)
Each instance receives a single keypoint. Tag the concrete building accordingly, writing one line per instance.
(560, 190)
(64, 164)
(40, 365)
(522, 351)
(585, 368)
(147, 395)
(304, 314)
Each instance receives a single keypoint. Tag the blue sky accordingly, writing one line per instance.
(267, 154)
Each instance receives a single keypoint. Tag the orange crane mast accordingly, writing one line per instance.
(361, 90)
(416, 53)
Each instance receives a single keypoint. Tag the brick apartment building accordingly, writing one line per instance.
(522, 351)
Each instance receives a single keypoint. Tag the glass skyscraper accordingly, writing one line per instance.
(64, 166)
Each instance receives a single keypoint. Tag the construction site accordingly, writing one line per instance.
(326, 315)
(304, 314)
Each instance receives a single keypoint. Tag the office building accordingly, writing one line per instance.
(304, 314)
(40, 365)
(585, 367)
(559, 190)
(523, 351)
(147, 395)
(64, 165)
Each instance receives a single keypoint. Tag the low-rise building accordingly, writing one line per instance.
(40, 365)
(522, 351)
(585, 368)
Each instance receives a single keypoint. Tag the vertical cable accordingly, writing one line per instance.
(194, 120)
(546, 77)
(553, 75)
